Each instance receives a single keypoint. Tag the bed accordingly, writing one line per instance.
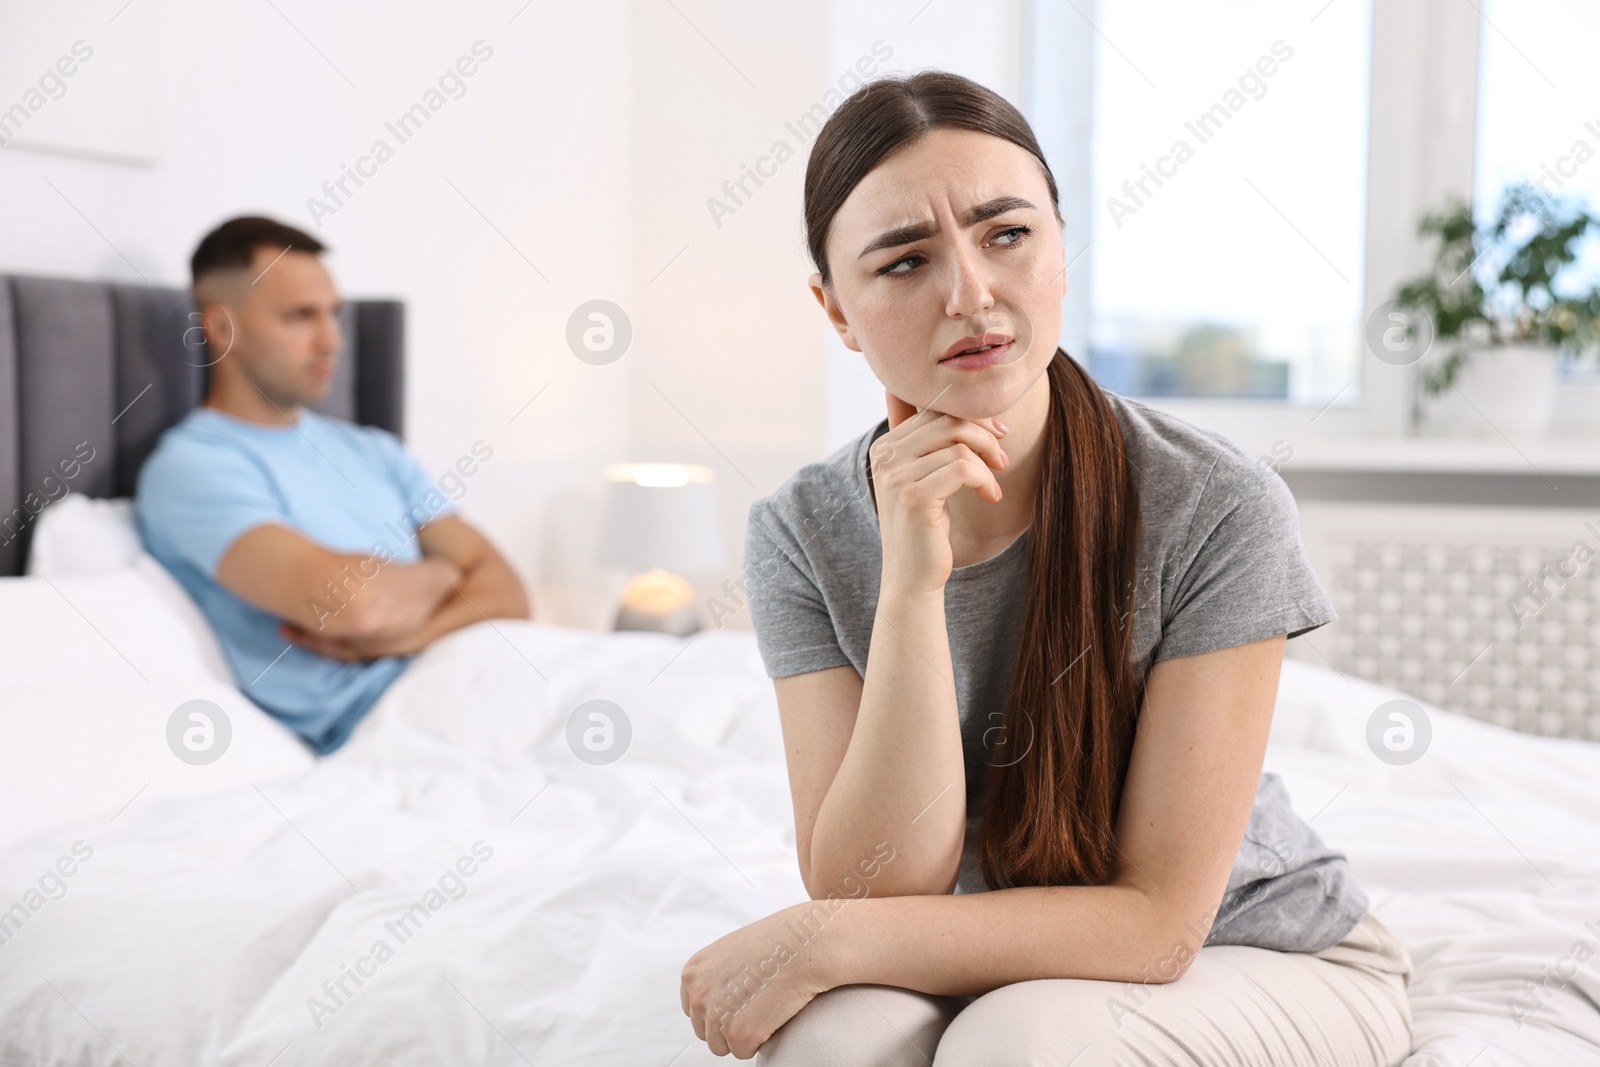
(537, 907)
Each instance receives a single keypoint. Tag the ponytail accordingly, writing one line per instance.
(1056, 775)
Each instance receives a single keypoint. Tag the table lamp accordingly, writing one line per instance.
(661, 518)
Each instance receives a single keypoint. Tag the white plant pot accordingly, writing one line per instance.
(1508, 390)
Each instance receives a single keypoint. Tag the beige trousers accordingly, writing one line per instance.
(1342, 1007)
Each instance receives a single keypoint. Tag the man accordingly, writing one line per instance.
(320, 550)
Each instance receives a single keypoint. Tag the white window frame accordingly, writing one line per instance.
(1422, 123)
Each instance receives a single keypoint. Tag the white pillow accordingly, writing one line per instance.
(131, 624)
(79, 537)
(96, 664)
(82, 535)
(82, 747)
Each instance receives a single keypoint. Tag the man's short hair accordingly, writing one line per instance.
(233, 244)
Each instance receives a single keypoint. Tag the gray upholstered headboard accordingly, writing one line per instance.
(113, 365)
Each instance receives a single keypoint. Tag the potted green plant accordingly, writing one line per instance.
(1506, 305)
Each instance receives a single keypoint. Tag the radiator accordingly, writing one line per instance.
(1490, 612)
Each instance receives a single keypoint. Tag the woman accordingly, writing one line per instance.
(1024, 813)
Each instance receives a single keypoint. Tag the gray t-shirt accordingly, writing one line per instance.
(1222, 565)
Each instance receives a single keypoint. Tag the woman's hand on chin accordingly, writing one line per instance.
(922, 461)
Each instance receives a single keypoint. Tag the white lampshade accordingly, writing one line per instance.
(662, 515)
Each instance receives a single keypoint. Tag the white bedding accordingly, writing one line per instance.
(201, 924)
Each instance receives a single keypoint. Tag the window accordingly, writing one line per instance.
(1537, 121)
(1228, 179)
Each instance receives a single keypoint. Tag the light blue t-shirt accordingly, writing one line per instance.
(349, 488)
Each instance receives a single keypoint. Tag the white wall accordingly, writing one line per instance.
(255, 120)
(739, 368)
(591, 141)
(728, 372)
(981, 39)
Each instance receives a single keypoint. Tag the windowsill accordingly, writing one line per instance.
(1341, 439)
(1457, 455)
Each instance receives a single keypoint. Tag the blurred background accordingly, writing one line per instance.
(1243, 184)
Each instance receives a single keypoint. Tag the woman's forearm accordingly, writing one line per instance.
(970, 943)
(902, 783)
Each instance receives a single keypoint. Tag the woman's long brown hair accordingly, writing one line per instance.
(1056, 775)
